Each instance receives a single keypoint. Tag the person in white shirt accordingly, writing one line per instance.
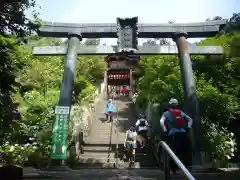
(142, 129)
(130, 142)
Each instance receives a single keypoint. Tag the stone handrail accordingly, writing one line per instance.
(82, 116)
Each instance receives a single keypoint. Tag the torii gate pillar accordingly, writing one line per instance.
(65, 100)
(67, 86)
(191, 101)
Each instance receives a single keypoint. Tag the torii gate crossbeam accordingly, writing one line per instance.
(145, 30)
(144, 50)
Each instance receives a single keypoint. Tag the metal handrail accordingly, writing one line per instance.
(176, 160)
(116, 131)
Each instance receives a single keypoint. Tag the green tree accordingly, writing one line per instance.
(14, 28)
(13, 19)
(150, 42)
(95, 42)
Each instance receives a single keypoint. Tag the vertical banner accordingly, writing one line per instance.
(60, 133)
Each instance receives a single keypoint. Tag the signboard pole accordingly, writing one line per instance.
(60, 133)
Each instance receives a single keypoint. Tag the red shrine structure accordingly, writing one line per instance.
(121, 70)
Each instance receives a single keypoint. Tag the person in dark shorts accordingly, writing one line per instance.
(142, 130)
(177, 136)
(130, 142)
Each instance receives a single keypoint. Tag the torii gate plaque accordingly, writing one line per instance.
(127, 31)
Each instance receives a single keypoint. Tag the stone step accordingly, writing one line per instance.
(100, 148)
(103, 165)
(103, 141)
(96, 147)
(87, 173)
(100, 140)
(102, 134)
(95, 161)
(105, 131)
(97, 155)
(101, 129)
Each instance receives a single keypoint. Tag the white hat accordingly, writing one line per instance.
(173, 101)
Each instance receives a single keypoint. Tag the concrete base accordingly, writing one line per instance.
(11, 172)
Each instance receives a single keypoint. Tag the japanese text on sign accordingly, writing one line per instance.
(60, 133)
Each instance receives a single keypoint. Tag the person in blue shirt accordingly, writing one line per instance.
(176, 125)
(109, 110)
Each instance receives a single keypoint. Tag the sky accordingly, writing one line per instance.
(150, 11)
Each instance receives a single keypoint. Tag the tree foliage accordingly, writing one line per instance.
(92, 42)
(36, 85)
(29, 86)
(13, 19)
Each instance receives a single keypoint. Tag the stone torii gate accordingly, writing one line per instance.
(127, 31)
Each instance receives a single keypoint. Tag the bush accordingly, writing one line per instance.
(16, 154)
(220, 142)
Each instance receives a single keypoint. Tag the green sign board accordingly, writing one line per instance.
(60, 133)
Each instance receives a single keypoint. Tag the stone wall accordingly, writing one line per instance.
(81, 117)
(153, 116)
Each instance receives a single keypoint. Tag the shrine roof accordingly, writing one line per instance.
(117, 57)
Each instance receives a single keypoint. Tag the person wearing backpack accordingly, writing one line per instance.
(142, 129)
(176, 134)
(130, 142)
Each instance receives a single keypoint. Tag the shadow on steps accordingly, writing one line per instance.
(211, 175)
(94, 151)
(122, 98)
(126, 114)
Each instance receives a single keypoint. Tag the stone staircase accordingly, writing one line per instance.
(100, 145)
(100, 149)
